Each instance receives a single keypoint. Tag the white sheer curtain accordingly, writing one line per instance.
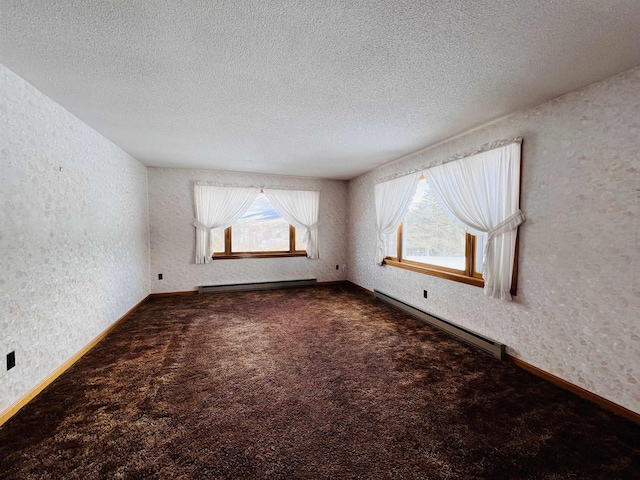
(482, 192)
(392, 200)
(300, 208)
(217, 207)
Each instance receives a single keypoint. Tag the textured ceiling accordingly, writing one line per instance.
(315, 88)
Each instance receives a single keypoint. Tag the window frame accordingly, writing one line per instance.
(469, 276)
(229, 254)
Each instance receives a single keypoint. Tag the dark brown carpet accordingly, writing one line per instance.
(321, 382)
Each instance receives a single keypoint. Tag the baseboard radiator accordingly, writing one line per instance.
(490, 346)
(242, 287)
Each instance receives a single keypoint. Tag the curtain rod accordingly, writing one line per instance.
(458, 156)
(262, 186)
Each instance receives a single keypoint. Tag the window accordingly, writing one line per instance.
(260, 232)
(429, 241)
(481, 190)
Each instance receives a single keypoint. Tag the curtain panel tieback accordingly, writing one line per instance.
(510, 223)
(307, 234)
(201, 226)
(381, 248)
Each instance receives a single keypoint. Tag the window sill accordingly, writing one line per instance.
(237, 256)
(476, 282)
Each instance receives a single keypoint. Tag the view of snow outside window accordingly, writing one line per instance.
(429, 235)
(391, 242)
(218, 240)
(260, 229)
(300, 244)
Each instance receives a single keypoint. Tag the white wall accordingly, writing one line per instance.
(173, 235)
(74, 254)
(577, 312)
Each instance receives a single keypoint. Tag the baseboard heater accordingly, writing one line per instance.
(242, 287)
(490, 346)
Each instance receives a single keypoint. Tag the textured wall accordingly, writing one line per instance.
(173, 236)
(74, 253)
(577, 312)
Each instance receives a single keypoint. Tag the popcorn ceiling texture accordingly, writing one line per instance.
(171, 215)
(326, 89)
(577, 312)
(73, 235)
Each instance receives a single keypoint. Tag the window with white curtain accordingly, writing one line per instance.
(260, 232)
(460, 221)
(245, 222)
(430, 240)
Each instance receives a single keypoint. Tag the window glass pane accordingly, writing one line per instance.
(300, 245)
(260, 229)
(218, 240)
(429, 235)
(480, 242)
(391, 242)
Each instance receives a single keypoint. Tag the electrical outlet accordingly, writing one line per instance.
(425, 293)
(11, 360)
(159, 276)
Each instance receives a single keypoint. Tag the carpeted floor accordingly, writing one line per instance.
(311, 383)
